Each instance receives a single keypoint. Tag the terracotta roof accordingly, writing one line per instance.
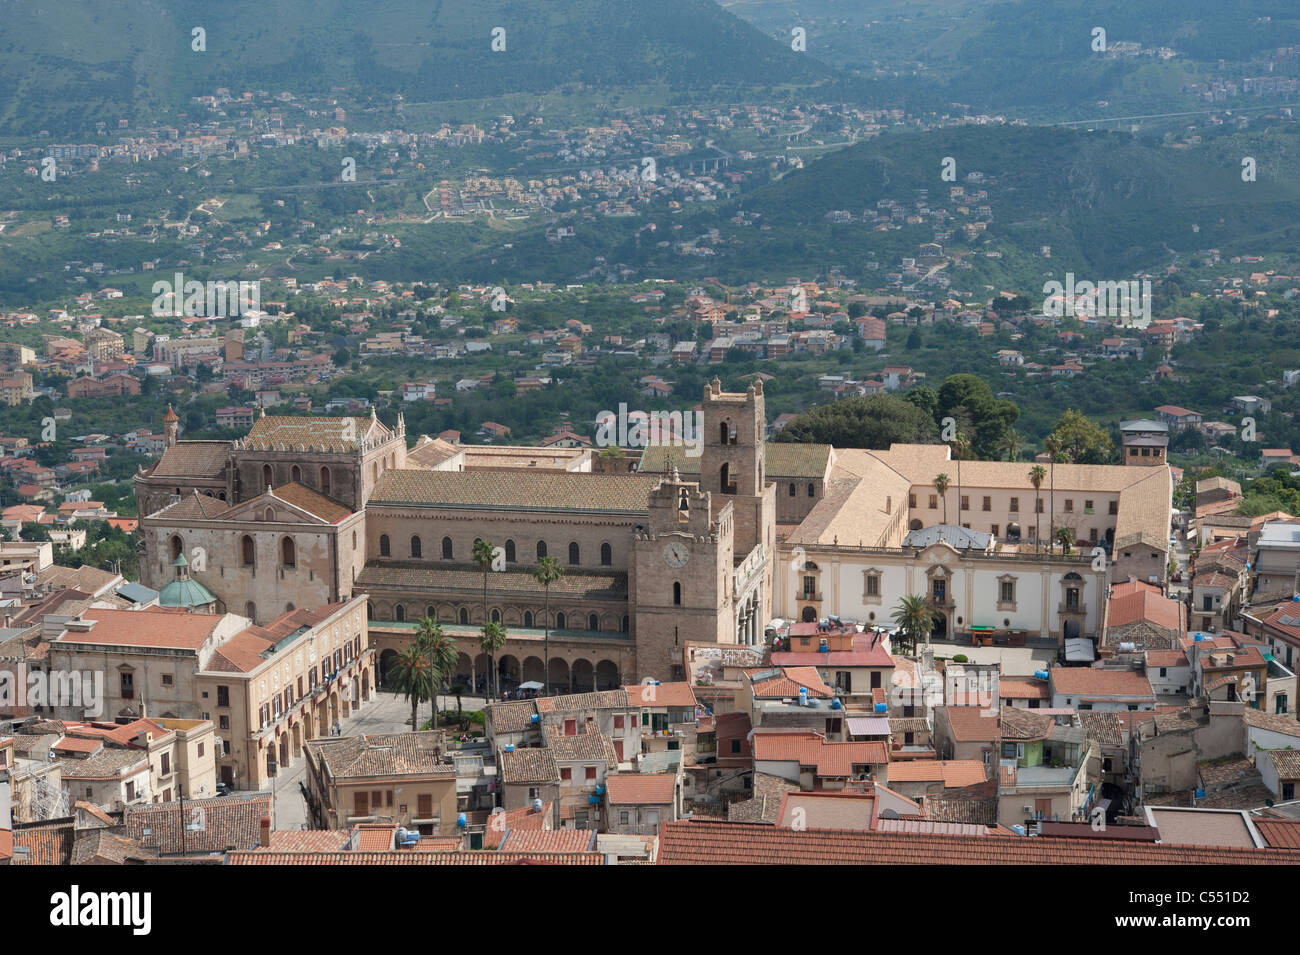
(832, 759)
(516, 490)
(407, 857)
(457, 578)
(282, 433)
(970, 724)
(1104, 726)
(1093, 682)
(106, 764)
(193, 507)
(549, 840)
(583, 746)
(146, 628)
(953, 773)
(1017, 723)
(788, 682)
(1022, 688)
(386, 754)
(103, 847)
(1285, 723)
(1279, 833)
(193, 459)
(728, 843)
(513, 717)
(781, 459)
(222, 823)
(765, 805)
(676, 695)
(48, 845)
(307, 840)
(640, 788)
(314, 503)
(531, 765)
(1286, 762)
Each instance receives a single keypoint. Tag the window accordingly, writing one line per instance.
(624, 816)
(266, 476)
(1069, 505)
(463, 617)
(1087, 506)
(994, 530)
(166, 764)
(384, 549)
(792, 492)
(417, 548)
(566, 773)
(128, 686)
(446, 548)
(541, 549)
(1006, 593)
(1113, 507)
(295, 474)
(934, 502)
(424, 805)
(1015, 505)
(166, 679)
(589, 772)
(571, 727)
(561, 621)
(986, 504)
(606, 555)
(872, 588)
(677, 593)
(725, 483)
(247, 551)
(399, 613)
(809, 587)
(223, 696)
(528, 618)
(618, 722)
(593, 622)
(496, 615)
(965, 502)
(325, 481)
(510, 552)
(812, 490)
(288, 553)
(1038, 506)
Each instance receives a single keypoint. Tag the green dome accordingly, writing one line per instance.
(185, 592)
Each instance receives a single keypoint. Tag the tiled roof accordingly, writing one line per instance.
(313, 502)
(953, 773)
(582, 746)
(765, 805)
(676, 695)
(812, 749)
(781, 460)
(102, 847)
(1286, 761)
(1104, 726)
(502, 490)
(106, 764)
(387, 754)
(1022, 688)
(48, 845)
(307, 840)
(1093, 682)
(1285, 723)
(223, 823)
(789, 682)
(1018, 723)
(640, 788)
(193, 459)
(728, 843)
(146, 628)
(531, 765)
(969, 724)
(575, 702)
(281, 433)
(515, 717)
(1279, 833)
(548, 840)
(407, 857)
(194, 507)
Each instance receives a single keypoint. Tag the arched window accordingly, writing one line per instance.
(677, 593)
(446, 548)
(510, 552)
(464, 615)
(295, 474)
(541, 549)
(383, 545)
(812, 490)
(574, 554)
(528, 618)
(625, 623)
(593, 621)
(268, 515)
(724, 432)
(247, 551)
(399, 613)
(417, 549)
(288, 553)
(606, 555)
(325, 483)
(724, 479)
(496, 615)
(250, 611)
(560, 621)
(266, 476)
(792, 488)
(289, 607)
(374, 472)
(431, 612)
(177, 546)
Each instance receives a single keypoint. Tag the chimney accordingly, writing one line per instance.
(266, 832)
(889, 504)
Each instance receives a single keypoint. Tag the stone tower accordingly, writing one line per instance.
(171, 427)
(682, 567)
(733, 466)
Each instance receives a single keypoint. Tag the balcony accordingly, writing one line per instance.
(815, 596)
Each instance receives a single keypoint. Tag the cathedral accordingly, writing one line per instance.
(306, 511)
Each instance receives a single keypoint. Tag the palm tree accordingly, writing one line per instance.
(484, 554)
(1066, 536)
(960, 448)
(412, 674)
(1011, 444)
(441, 652)
(1037, 474)
(547, 572)
(941, 484)
(492, 639)
(914, 617)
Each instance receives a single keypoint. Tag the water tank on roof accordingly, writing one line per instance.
(537, 805)
(1040, 674)
(836, 704)
(406, 837)
(803, 696)
(1200, 794)
(1019, 830)
(534, 718)
(600, 790)
(881, 708)
(510, 747)
(461, 819)
(1198, 638)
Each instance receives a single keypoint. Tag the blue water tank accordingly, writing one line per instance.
(882, 708)
(1200, 794)
(461, 819)
(1041, 674)
(534, 718)
(593, 799)
(1198, 638)
(1018, 830)
(510, 747)
(823, 648)
(836, 704)
(803, 696)
(600, 790)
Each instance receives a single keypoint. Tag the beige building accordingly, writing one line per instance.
(397, 779)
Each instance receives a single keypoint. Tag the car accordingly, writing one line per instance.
(223, 789)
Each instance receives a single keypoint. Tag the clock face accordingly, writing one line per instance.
(676, 554)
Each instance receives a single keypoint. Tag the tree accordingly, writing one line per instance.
(990, 417)
(1082, 441)
(876, 421)
(1037, 474)
(1066, 536)
(492, 639)
(941, 484)
(441, 653)
(914, 616)
(483, 556)
(547, 572)
(412, 673)
(1011, 444)
(1053, 448)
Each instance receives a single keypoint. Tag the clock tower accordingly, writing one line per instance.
(681, 578)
